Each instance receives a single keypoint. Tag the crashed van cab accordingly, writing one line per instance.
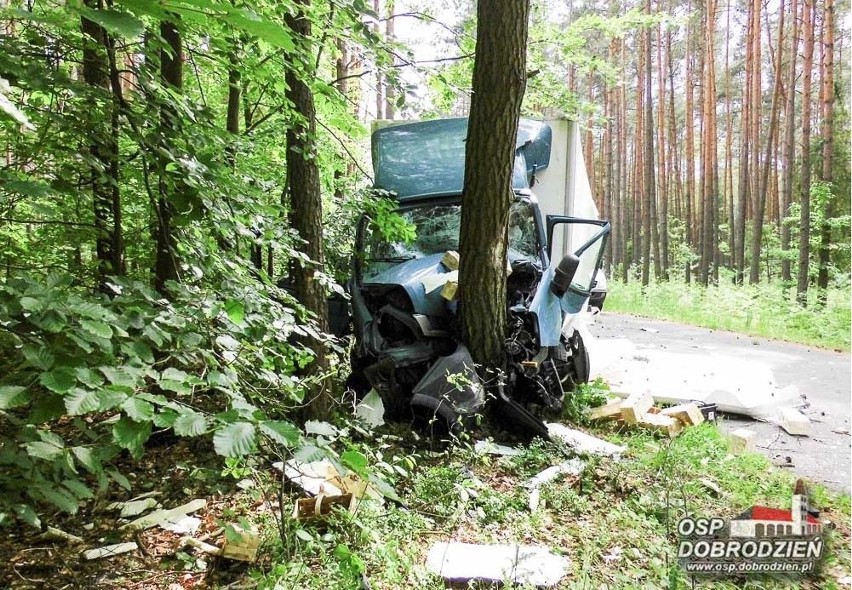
(403, 290)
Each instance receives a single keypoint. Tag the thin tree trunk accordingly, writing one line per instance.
(805, 190)
(390, 36)
(104, 172)
(689, 122)
(649, 216)
(789, 154)
(827, 79)
(171, 72)
(303, 183)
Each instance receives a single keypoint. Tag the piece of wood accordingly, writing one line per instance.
(582, 443)
(306, 508)
(742, 440)
(607, 411)
(241, 544)
(451, 260)
(636, 406)
(660, 423)
(688, 414)
(449, 290)
(794, 422)
(200, 545)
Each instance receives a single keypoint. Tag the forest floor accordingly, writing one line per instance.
(615, 520)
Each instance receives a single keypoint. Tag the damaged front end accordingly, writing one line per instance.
(404, 307)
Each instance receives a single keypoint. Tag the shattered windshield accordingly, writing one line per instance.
(437, 230)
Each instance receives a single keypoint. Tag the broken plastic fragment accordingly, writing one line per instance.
(521, 564)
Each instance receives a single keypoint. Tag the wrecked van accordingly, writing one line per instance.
(403, 290)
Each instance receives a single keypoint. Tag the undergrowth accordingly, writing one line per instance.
(760, 310)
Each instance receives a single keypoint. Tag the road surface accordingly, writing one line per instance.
(655, 355)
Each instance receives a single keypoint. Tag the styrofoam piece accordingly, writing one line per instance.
(582, 443)
(520, 564)
(572, 467)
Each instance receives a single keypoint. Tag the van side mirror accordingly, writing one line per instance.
(564, 274)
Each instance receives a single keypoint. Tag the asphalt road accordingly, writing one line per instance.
(819, 380)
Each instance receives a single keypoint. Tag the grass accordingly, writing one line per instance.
(616, 521)
(759, 310)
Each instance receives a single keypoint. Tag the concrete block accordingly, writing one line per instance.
(659, 423)
(607, 411)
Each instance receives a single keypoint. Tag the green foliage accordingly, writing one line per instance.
(768, 310)
(586, 395)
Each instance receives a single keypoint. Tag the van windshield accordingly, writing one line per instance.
(437, 230)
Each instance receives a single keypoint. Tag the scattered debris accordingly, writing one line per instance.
(109, 551)
(660, 423)
(841, 431)
(711, 485)
(635, 407)
(450, 288)
(794, 422)
(321, 480)
(650, 330)
(687, 414)
(306, 508)
(188, 525)
(572, 467)
(53, 533)
(451, 260)
(521, 564)
(133, 507)
(639, 410)
(487, 447)
(241, 544)
(742, 440)
(582, 443)
(610, 410)
(535, 499)
(164, 517)
(371, 409)
(200, 545)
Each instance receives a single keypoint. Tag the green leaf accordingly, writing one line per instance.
(235, 440)
(138, 409)
(78, 488)
(28, 515)
(12, 396)
(59, 498)
(281, 432)
(120, 376)
(88, 459)
(96, 328)
(58, 380)
(82, 401)
(40, 358)
(109, 399)
(270, 31)
(165, 419)
(119, 479)
(143, 351)
(190, 423)
(236, 311)
(118, 23)
(131, 435)
(354, 460)
(43, 450)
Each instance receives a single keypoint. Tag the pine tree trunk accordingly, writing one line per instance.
(689, 122)
(805, 189)
(303, 183)
(390, 36)
(649, 216)
(789, 154)
(827, 80)
(499, 82)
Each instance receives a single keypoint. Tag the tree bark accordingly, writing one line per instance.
(103, 148)
(827, 175)
(171, 72)
(303, 186)
(650, 196)
(805, 190)
(499, 82)
(789, 154)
